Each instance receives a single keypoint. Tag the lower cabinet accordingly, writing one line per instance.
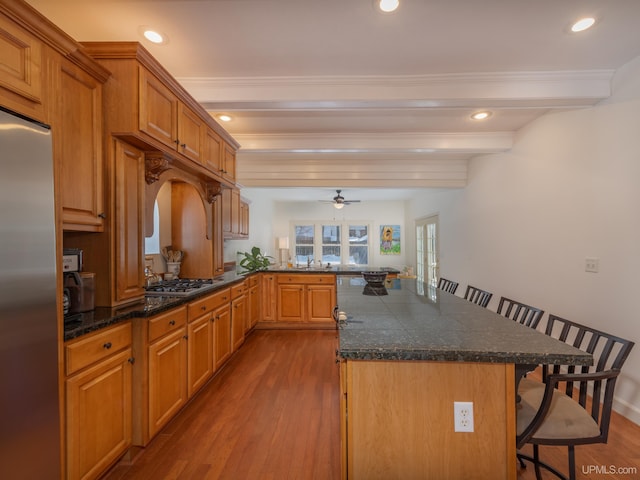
(238, 314)
(306, 298)
(253, 302)
(222, 333)
(179, 352)
(167, 376)
(98, 401)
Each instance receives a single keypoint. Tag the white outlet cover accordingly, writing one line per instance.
(463, 417)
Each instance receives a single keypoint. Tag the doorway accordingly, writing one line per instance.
(427, 254)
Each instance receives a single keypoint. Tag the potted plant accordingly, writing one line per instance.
(254, 260)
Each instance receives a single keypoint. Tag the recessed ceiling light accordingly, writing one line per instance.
(153, 35)
(388, 6)
(224, 117)
(583, 24)
(481, 115)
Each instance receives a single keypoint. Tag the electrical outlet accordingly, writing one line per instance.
(591, 265)
(463, 416)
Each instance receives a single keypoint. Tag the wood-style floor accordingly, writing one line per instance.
(273, 413)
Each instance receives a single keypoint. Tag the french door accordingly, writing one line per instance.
(427, 250)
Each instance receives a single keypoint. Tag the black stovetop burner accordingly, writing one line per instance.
(180, 286)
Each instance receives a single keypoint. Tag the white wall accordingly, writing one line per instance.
(569, 189)
(269, 220)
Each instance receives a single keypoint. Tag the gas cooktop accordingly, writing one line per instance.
(181, 287)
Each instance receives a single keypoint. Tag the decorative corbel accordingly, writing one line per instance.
(212, 190)
(155, 163)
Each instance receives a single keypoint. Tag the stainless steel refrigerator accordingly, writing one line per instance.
(29, 401)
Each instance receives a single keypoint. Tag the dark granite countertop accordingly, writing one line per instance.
(102, 317)
(407, 320)
(335, 269)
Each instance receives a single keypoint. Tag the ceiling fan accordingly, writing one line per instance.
(339, 201)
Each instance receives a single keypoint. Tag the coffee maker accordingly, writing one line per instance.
(79, 286)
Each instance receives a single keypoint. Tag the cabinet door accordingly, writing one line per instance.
(238, 320)
(77, 140)
(222, 324)
(128, 226)
(291, 303)
(20, 70)
(212, 152)
(244, 219)
(98, 416)
(229, 163)
(200, 352)
(320, 302)
(254, 306)
(158, 108)
(190, 133)
(269, 298)
(167, 379)
(227, 206)
(218, 238)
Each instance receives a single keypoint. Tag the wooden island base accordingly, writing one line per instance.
(397, 420)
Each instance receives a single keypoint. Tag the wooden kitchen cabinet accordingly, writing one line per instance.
(269, 294)
(218, 237)
(222, 333)
(253, 302)
(160, 371)
(98, 401)
(167, 118)
(200, 352)
(229, 163)
(235, 214)
(167, 378)
(164, 117)
(21, 70)
(308, 298)
(239, 312)
(128, 193)
(77, 146)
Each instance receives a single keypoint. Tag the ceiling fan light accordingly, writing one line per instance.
(338, 206)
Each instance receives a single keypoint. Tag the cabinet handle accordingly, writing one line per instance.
(203, 308)
(131, 360)
(172, 322)
(177, 141)
(224, 298)
(183, 145)
(107, 345)
(186, 337)
(102, 215)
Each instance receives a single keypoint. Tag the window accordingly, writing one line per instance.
(331, 244)
(304, 243)
(335, 243)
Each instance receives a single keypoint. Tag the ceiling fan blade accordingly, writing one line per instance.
(348, 202)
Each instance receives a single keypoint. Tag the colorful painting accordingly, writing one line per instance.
(390, 239)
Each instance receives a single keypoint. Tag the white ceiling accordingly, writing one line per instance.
(335, 94)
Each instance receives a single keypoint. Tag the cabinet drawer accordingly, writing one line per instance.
(310, 279)
(167, 322)
(209, 303)
(95, 347)
(253, 280)
(238, 289)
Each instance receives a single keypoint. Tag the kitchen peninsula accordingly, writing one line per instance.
(407, 353)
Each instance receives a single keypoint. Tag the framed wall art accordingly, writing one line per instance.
(389, 239)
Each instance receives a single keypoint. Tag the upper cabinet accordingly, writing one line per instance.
(163, 116)
(77, 143)
(21, 69)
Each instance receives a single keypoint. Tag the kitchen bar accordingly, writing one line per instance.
(407, 354)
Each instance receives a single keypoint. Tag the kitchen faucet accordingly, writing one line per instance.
(309, 262)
